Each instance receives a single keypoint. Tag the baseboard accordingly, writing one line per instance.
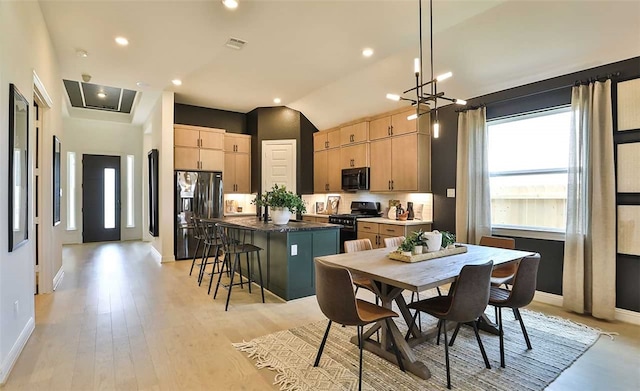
(548, 298)
(58, 278)
(15, 351)
(628, 316)
(170, 258)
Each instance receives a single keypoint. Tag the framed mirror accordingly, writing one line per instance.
(18, 168)
(57, 190)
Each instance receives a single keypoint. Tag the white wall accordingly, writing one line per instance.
(84, 136)
(158, 134)
(25, 47)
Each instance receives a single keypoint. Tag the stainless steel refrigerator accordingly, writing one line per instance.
(200, 194)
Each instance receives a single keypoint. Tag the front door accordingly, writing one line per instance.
(100, 198)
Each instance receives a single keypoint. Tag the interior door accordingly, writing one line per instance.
(279, 164)
(100, 198)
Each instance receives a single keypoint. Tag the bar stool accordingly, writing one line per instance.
(199, 236)
(211, 239)
(234, 243)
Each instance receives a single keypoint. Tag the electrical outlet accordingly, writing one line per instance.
(451, 193)
(294, 249)
(16, 308)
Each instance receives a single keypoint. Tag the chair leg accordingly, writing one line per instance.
(216, 261)
(356, 293)
(195, 255)
(360, 343)
(524, 330)
(324, 340)
(395, 346)
(248, 272)
(239, 270)
(203, 264)
(484, 354)
(236, 262)
(516, 313)
(446, 352)
(260, 275)
(438, 289)
(455, 334)
(225, 262)
(439, 330)
(501, 332)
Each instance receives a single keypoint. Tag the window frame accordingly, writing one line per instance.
(522, 230)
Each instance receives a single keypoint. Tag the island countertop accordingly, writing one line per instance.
(253, 223)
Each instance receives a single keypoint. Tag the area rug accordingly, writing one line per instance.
(556, 344)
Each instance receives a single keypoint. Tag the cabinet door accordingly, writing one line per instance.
(392, 230)
(186, 158)
(211, 160)
(308, 218)
(356, 133)
(401, 125)
(322, 219)
(333, 138)
(368, 227)
(212, 139)
(320, 172)
(404, 163)
(320, 141)
(380, 175)
(379, 128)
(185, 137)
(334, 172)
(229, 173)
(354, 156)
(372, 237)
(243, 173)
(237, 143)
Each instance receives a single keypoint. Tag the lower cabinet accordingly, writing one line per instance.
(377, 232)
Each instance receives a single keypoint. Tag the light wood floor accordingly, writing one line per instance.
(119, 320)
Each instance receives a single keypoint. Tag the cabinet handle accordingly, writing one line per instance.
(326, 144)
(392, 185)
(351, 138)
(389, 185)
(392, 130)
(390, 230)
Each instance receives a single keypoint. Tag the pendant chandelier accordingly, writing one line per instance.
(431, 95)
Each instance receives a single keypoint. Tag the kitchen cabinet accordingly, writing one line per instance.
(355, 133)
(354, 156)
(327, 139)
(316, 219)
(377, 232)
(237, 163)
(327, 174)
(393, 125)
(198, 148)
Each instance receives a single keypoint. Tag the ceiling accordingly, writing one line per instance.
(308, 52)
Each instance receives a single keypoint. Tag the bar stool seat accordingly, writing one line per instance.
(234, 244)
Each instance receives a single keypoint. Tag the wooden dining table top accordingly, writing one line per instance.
(419, 276)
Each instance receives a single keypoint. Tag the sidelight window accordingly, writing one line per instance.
(130, 205)
(71, 191)
(528, 160)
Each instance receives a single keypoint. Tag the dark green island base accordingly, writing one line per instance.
(284, 274)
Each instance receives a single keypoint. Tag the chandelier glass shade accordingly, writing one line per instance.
(425, 93)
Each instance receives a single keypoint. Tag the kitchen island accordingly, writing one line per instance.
(288, 252)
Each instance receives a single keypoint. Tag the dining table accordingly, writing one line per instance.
(391, 278)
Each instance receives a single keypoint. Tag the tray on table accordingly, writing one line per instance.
(397, 256)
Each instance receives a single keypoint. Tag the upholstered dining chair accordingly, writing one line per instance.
(393, 242)
(337, 301)
(351, 246)
(502, 274)
(464, 304)
(520, 295)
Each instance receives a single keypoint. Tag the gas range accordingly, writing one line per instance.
(359, 210)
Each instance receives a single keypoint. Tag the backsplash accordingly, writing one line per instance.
(424, 199)
(234, 202)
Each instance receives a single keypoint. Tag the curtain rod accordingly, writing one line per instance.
(574, 84)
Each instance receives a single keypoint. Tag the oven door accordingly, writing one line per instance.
(346, 234)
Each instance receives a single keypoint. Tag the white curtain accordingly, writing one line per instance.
(589, 280)
(473, 200)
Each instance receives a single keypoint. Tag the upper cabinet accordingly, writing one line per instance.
(393, 125)
(198, 148)
(327, 139)
(355, 133)
(237, 163)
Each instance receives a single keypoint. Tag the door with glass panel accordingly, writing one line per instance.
(100, 198)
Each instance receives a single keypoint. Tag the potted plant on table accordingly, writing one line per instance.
(419, 241)
(448, 239)
(407, 246)
(282, 203)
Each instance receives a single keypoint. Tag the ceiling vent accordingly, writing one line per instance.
(235, 43)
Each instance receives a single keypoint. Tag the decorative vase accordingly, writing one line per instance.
(417, 250)
(280, 216)
(434, 241)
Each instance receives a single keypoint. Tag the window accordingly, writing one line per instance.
(130, 162)
(109, 198)
(71, 191)
(528, 160)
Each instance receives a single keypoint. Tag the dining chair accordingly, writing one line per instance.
(520, 295)
(338, 303)
(393, 242)
(502, 274)
(351, 246)
(464, 304)
(234, 244)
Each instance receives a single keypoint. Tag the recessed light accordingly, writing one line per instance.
(367, 52)
(231, 4)
(122, 41)
(176, 82)
(102, 95)
(277, 100)
(142, 84)
(82, 53)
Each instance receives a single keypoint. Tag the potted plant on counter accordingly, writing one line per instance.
(282, 203)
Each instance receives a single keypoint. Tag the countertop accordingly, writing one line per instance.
(382, 220)
(254, 224)
(316, 215)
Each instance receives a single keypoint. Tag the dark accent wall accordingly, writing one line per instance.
(535, 96)
(282, 123)
(230, 121)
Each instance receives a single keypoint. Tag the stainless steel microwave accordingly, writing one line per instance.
(355, 179)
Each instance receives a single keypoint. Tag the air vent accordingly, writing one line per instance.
(235, 43)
